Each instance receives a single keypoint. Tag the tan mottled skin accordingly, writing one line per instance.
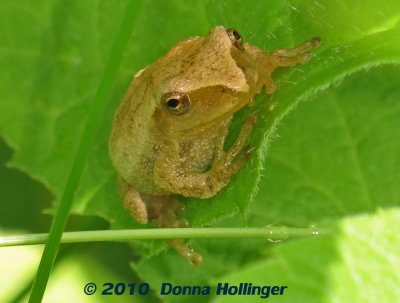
(159, 155)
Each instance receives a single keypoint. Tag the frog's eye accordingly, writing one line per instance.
(176, 102)
(235, 37)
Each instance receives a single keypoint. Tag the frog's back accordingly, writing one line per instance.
(132, 144)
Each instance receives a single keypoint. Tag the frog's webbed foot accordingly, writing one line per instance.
(133, 202)
(163, 211)
(186, 251)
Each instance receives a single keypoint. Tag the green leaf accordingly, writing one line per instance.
(356, 264)
(53, 109)
(337, 154)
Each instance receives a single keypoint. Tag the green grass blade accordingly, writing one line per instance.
(269, 232)
(98, 107)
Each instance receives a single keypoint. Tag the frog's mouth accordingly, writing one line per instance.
(222, 118)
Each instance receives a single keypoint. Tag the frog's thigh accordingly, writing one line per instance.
(133, 202)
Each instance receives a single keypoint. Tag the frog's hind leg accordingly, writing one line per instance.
(186, 251)
(163, 211)
(133, 202)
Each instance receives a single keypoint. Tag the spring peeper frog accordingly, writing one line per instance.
(169, 131)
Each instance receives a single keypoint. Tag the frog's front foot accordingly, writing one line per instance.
(297, 55)
(230, 162)
(287, 57)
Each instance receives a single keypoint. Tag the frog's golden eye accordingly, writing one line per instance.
(236, 38)
(177, 103)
